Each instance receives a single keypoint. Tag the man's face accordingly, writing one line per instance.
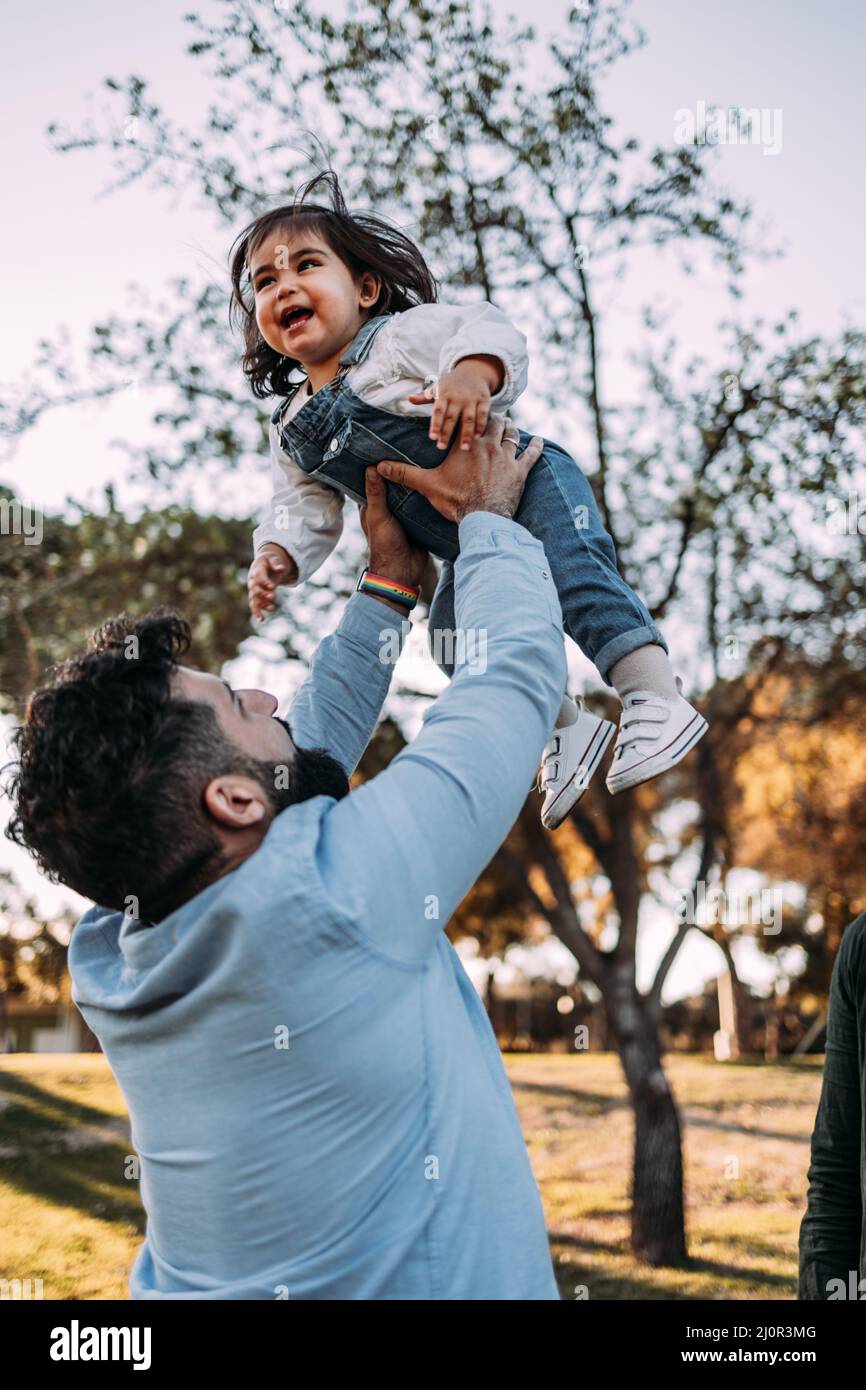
(247, 718)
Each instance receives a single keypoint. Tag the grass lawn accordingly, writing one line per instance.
(70, 1217)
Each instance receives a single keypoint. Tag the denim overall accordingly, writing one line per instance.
(335, 436)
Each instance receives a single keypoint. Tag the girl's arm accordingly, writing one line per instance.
(486, 332)
(303, 516)
(428, 340)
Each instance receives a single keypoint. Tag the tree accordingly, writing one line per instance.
(801, 793)
(500, 159)
(52, 595)
(32, 952)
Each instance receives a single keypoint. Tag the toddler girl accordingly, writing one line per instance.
(341, 320)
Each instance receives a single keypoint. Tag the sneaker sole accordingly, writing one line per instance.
(571, 792)
(663, 760)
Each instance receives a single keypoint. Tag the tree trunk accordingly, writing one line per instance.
(658, 1222)
(740, 999)
(771, 1031)
(658, 1218)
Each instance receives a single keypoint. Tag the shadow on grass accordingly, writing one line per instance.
(634, 1285)
(597, 1103)
(52, 1110)
(729, 1127)
(572, 1279)
(89, 1176)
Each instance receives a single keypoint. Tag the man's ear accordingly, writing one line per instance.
(236, 801)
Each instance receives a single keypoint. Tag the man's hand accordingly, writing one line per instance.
(464, 393)
(488, 477)
(392, 554)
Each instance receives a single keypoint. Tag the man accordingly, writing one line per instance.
(832, 1235)
(316, 1094)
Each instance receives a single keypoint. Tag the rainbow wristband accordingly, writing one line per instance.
(380, 587)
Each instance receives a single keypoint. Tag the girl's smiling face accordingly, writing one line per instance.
(308, 304)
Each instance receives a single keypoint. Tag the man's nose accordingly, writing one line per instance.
(259, 701)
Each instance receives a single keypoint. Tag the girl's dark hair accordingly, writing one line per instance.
(364, 243)
(108, 788)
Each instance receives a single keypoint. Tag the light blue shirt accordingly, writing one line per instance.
(316, 1094)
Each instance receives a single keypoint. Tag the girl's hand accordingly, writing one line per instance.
(272, 566)
(464, 392)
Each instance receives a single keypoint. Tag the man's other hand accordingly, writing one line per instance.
(489, 476)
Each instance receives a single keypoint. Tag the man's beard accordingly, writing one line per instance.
(312, 772)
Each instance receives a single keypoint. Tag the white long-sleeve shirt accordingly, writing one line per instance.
(305, 516)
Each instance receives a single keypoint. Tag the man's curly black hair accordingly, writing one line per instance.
(108, 787)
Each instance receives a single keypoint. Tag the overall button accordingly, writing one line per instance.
(334, 445)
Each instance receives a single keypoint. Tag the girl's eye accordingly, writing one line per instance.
(269, 279)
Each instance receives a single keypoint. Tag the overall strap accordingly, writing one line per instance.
(284, 402)
(362, 342)
(355, 353)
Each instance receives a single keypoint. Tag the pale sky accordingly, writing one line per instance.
(69, 255)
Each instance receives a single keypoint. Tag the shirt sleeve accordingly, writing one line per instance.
(303, 516)
(398, 855)
(429, 339)
(338, 705)
(831, 1228)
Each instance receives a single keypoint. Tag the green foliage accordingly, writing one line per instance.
(32, 951)
(92, 567)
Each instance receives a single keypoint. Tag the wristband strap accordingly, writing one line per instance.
(381, 587)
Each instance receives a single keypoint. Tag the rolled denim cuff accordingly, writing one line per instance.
(626, 642)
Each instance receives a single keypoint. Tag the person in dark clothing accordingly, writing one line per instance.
(832, 1257)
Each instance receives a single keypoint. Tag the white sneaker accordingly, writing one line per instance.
(570, 757)
(655, 733)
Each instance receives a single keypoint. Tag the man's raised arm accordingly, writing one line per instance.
(400, 852)
(338, 705)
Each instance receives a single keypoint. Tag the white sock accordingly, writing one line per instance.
(647, 668)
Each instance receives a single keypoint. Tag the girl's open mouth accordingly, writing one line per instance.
(292, 319)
